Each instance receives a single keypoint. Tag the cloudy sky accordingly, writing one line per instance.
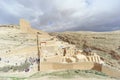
(63, 15)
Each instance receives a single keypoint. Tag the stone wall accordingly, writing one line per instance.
(47, 66)
(25, 25)
(111, 71)
(54, 59)
(94, 58)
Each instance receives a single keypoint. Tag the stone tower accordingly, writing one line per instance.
(25, 26)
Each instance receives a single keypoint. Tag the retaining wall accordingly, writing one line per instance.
(47, 66)
(50, 66)
(111, 71)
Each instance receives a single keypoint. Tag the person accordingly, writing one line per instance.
(27, 70)
(64, 52)
(86, 49)
(38, 60)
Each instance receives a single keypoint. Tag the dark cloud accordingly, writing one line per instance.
(63, 15)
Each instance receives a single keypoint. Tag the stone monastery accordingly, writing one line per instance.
(52, 50)
(32, 50)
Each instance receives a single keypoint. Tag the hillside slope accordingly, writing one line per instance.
(105, 44)
(17, 48)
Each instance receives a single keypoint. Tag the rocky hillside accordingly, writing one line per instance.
(105, 44)
(11, 38)
(18, 48)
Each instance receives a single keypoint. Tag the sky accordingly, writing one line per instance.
(63, 15)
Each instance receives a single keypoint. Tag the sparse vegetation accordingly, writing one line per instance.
(22, 67)
(5, 69)
(15, 78)
(72, 74)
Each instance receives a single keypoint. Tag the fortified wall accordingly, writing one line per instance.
(110, 71)
(47, 66)
(25, 26)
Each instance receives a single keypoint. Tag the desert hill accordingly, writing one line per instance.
(20, 45)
